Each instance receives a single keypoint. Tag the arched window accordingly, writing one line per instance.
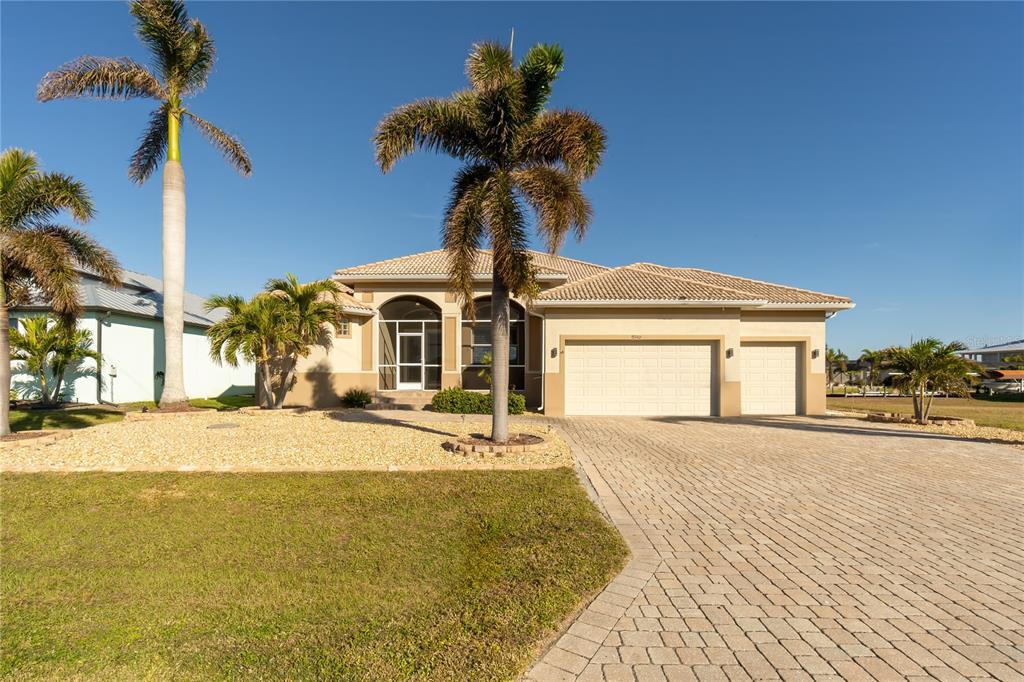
(409, 348)
(477, 349)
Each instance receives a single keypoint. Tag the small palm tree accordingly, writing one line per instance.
(835, 362)
(49, 348)
(183, 57)
(516, 154)
(273, 330)
(872, 359)
(311, 308)
(38, 257)
(930, 366)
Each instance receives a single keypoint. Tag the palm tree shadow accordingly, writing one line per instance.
(369, 417)
(829, 425)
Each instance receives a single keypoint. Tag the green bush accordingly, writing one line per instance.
(356, 397)
(461, 401)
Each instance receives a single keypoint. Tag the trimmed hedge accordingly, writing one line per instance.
(356, 397)
(461, 401)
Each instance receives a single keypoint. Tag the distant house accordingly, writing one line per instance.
(995, 356)
(127, 329)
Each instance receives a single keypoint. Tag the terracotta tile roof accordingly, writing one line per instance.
(649, 282)
(349, 304)
(435, 264)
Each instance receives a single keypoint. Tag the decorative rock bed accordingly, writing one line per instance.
(25, 438)
(899, 418)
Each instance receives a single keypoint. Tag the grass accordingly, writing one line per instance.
(30, 420)
(78, 418)
(1005, 412)
(347, 575)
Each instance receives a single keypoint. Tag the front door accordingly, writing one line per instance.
(410, 360)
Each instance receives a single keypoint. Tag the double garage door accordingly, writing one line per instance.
(674, 378)
(639, 378)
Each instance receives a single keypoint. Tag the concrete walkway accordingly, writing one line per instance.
(800, 548)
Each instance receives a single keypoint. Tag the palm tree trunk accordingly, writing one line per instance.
(267, 394)
(282, 391)
(174, 283)
(5, 365)
(499, 360)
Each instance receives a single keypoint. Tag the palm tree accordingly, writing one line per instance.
(310, 308)
(516, 154)
(38, 257)
(49, 347)
(834, 360)
(872, 359)
(929, 366)
(183, 57)
(274, 329)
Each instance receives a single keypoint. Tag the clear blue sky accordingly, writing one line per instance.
(867, 149)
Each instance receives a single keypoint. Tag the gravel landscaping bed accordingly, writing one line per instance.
(988, 434)
(262, 441)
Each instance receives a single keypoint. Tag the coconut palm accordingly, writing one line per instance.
(49, 347)
(38, 256)
(183, 57)
(274, 329)
(516, 154)
(930, 366)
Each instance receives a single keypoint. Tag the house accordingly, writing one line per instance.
(995, 356)
(127, 329)
(640, 339)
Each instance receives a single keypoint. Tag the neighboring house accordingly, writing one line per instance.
(637, 339)
(995, 356)
(127, 329)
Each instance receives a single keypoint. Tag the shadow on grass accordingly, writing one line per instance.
(33, 420)
(827, 425)
(370, 417)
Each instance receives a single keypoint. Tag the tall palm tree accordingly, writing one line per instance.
(516, 154)
(834, 360)
(929, 366)
(873, 359)
(38, 257)
(183, 57)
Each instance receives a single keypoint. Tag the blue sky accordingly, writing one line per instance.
(869, 149)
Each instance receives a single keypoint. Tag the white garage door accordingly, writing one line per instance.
(638, 378)
(769, 379)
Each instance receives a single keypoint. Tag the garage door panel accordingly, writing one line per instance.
(770, 378)
(636, 378)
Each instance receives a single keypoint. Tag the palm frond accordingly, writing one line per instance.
(152, 146)
(47, 260)
(162, 25)
(102, 77)
(557, 199)
(538, 70)
(509, 240)
(230, 147)
(86, 252)
(570, 138)
(16, 165)
(464, 226)
(198, 57)
(40, 197)
(489, 65)
(445, 125)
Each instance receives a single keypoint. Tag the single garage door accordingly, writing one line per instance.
(638, 378)
(769, 379)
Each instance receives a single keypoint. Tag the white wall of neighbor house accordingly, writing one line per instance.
(133, 349)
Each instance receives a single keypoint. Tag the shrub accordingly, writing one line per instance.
(461, 401)
(356, 397)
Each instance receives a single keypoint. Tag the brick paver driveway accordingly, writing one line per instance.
(800, 548)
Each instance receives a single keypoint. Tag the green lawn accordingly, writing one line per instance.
(349, 575)
(77, 418)
(1002, 411)
(31, 420)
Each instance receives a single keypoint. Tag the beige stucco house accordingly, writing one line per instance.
(640, 339)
